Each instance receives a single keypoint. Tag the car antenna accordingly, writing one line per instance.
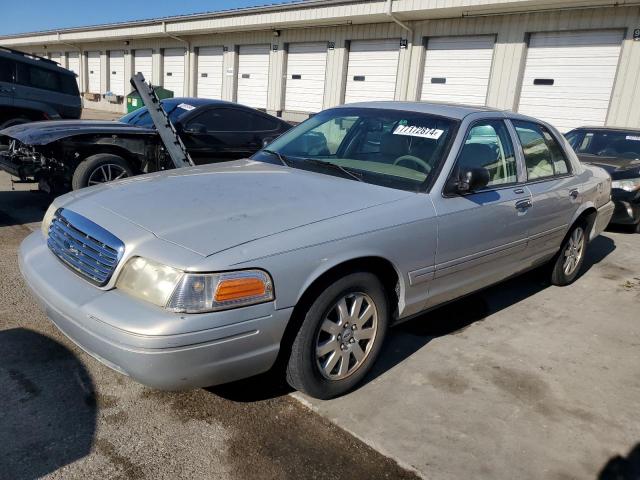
(172, 141)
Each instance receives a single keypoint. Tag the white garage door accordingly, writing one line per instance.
(73, 64)
(93, 67)
(55, 56)
(173, 71)
(143, 63)
(210, 72)
(373, 66)
(569, 76)
(116, 72)
(253, 75)
(306, 64)
(457, 69)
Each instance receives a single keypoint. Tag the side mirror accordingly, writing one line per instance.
(472, 179)
(266, 141)
(195, 128)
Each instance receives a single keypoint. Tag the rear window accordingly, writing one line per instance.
(609, 144)
(6, 70)
(45, 79)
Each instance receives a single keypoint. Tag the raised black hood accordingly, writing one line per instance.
(42, 133)
(617, 167)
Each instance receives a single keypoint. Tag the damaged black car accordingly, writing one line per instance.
(69, 155)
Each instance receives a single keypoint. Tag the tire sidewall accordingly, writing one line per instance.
(89, 165)
(558, 276)
(314, 383)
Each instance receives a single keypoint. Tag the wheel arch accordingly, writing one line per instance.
(588, 213)
(117, 150)
(383, 268)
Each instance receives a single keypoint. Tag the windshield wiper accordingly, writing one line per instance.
(281, 157)
(334, 166)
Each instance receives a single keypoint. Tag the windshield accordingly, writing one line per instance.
(141, 117)
(607, 143)
(394, 148)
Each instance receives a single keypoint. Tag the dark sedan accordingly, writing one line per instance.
(64, 155)
(616, 150)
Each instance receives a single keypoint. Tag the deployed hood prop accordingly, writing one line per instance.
(172, 142)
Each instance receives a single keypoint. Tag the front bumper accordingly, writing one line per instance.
(235, 344)
(627, 211)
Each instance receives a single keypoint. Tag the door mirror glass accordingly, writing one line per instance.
(472, 179)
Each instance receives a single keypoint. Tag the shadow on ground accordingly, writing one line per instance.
(450, 319)
(48, 412)
(20, 207)
(623, 468)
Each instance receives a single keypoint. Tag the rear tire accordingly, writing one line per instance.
(100, 168)
(340, 338)
(568, 262)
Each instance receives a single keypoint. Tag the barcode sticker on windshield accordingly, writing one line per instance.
(413, 131)
(633, 137)
(186, 106)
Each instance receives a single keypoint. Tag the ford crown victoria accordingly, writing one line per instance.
(363, 216)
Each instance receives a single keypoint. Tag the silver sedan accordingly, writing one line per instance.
(361, 217)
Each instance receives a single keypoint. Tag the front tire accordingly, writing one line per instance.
(100, 168)
(340, 338)
(568, 262)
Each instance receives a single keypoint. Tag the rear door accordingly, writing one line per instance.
(482, 235)
(554, 188)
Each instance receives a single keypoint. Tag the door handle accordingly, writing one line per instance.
(574, 193)
(519, 191)
(523, 204)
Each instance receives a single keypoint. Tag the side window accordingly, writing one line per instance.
(264, 124)
(542, 153)
(37, 77)
(488, 145)
(224, 120)
(6, 70)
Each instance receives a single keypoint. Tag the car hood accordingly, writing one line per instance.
(42, 133)
(617, 167)
(212, 208)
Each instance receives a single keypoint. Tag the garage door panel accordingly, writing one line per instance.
(73, 64)
(582, 66)
(372, 70)
(116, 72)
(304, 87)
(210, 64)
(93, 70)
(173, 70)
(253, 75)
(143, 63)
(455, 62)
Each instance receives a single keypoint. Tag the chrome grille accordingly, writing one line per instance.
(85, 247)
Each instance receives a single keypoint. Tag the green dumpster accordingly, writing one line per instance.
(134, 101)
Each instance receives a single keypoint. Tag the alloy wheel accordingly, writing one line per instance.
(346, 336)
(107, 173)
(574, 251)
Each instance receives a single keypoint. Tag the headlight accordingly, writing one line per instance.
(183, 292)
(48, 218)
(628, 184)
(219, 291)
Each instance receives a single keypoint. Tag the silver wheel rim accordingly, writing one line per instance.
(574, 251)
(107, 173)
(346, 336)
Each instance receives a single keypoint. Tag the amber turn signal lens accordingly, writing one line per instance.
(239, 288)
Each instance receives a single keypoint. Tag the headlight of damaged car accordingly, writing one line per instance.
(628, 184)
(187, 292)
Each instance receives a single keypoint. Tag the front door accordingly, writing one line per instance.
(482, 235)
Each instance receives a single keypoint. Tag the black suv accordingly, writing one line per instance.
(35, 88)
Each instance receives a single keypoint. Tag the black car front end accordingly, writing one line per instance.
(626, 197)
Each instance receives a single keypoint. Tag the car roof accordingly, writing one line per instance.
(450, 110)
(33, 60)
(196, 102)
(609, 129)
